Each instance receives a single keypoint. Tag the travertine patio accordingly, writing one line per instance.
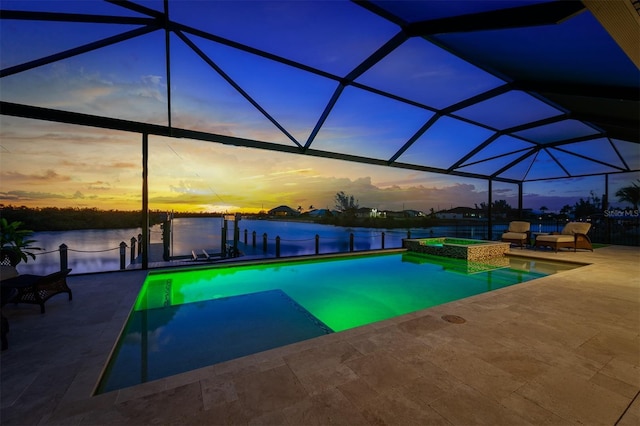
(564, 349)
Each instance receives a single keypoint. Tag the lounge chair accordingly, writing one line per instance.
(200, 257)
(37, 289)
(518, 233)
(573, 235)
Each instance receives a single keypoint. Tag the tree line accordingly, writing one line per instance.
(67, 219)
(582, 209)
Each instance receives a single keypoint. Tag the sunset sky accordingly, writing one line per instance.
(50, 164)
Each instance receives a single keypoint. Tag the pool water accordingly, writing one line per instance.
(191, 319)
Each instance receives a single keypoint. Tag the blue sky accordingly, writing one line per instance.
(52, 164)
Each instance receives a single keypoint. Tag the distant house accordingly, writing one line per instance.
(459, 213)
(283, 211)
(365, 212)
(413, 213)
(403, 214)
(398, 215)
(320, 213)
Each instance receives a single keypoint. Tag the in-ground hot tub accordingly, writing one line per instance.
(457, 248)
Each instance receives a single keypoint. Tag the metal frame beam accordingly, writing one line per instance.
(47, 114)
(77, 50)
(522, 16)
(591, 90)
(74, 17)
(236, 86)
(516, 17)
(145, 201)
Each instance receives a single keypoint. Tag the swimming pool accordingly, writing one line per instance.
(190, 319)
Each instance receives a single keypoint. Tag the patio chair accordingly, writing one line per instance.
(518, 233)
(37, 289)
(573, 235)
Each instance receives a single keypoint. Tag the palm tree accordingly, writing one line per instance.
(346, 203)
(565, 210)
(630, 194)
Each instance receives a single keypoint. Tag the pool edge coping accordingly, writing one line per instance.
(161, 382)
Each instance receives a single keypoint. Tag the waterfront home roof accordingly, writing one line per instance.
(284, 211)
(413, 213)
(513, 91)
(320, 212)
(461, 210)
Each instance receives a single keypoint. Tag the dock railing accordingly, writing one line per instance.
(259, 244)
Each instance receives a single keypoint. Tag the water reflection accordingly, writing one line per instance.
(98, 250)
(92, 250)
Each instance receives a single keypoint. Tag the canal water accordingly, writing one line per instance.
(99, 250)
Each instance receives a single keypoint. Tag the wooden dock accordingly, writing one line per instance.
(157, 261)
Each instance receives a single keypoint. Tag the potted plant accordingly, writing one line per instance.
(16, 244)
